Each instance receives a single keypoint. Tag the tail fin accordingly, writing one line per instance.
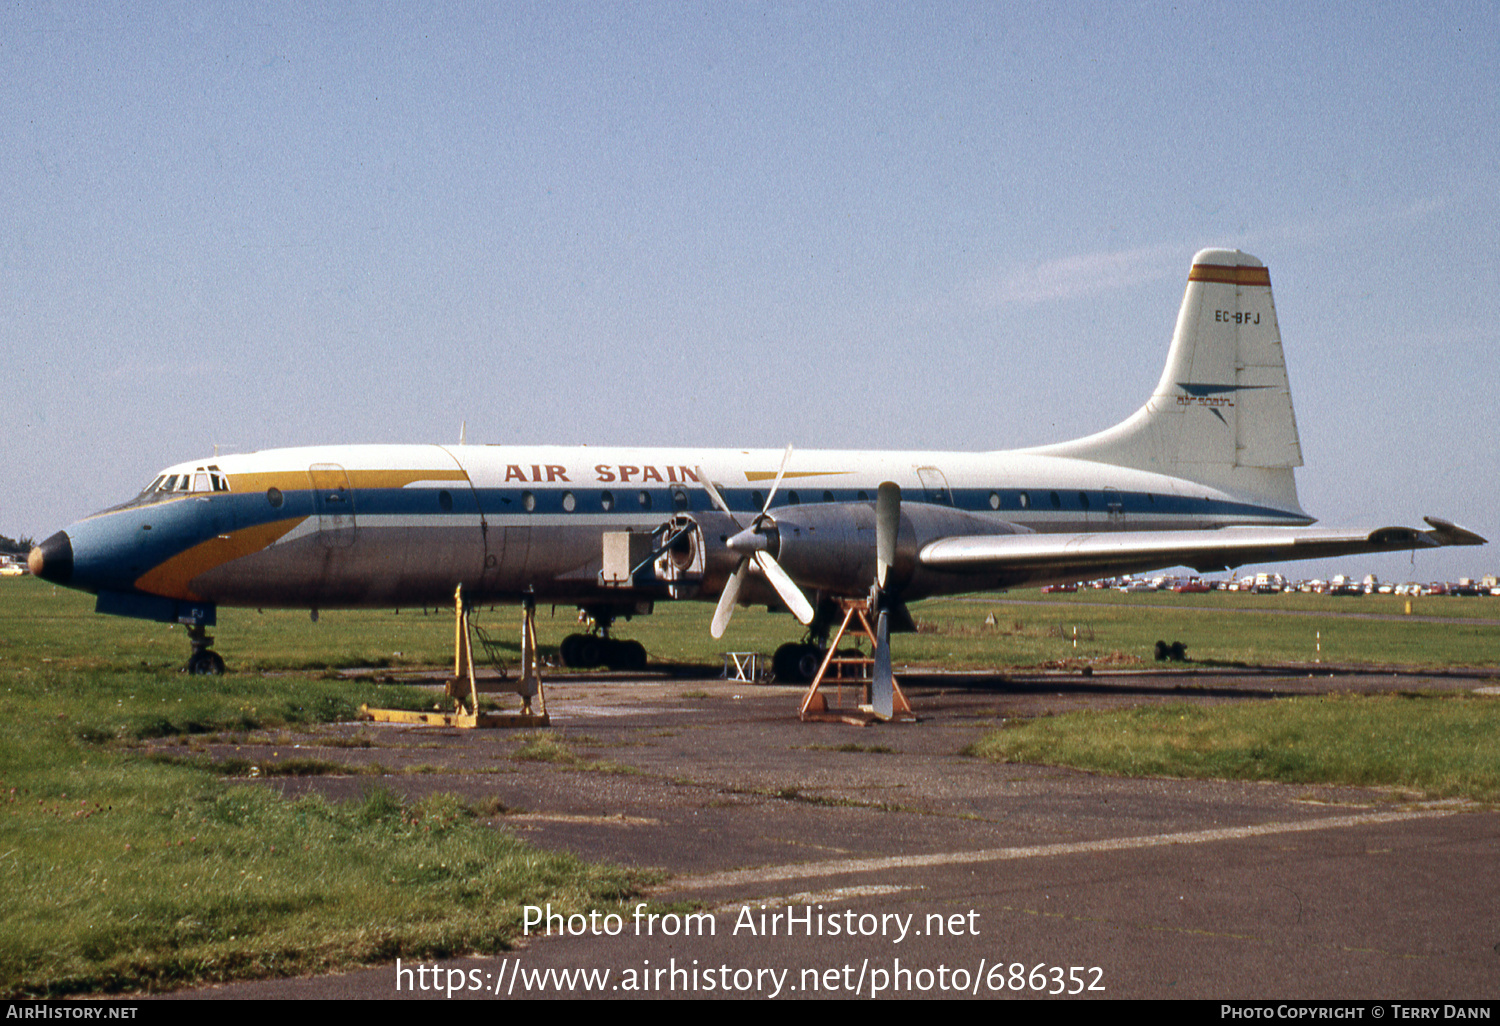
(1222, 413)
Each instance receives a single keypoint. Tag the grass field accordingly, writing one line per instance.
(120, 870)
(46, 623)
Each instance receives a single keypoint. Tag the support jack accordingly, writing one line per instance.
(883, 701)
(465, 687)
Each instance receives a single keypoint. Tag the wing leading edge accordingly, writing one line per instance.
(1018, 559)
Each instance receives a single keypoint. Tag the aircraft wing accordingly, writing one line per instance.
(1039, 558)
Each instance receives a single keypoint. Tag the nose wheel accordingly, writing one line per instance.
(204, 661)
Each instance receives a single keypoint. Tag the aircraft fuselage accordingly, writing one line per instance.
(391, 526)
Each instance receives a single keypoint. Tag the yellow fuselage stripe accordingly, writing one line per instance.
(172, 577)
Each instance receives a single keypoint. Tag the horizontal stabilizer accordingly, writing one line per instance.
(1446, 532)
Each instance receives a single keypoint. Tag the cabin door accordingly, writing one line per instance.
(333, 501)
(935, 486)
(1115, 508)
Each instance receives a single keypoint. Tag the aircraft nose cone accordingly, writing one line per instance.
(52, 560)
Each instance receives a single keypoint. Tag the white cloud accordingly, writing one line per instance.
(1085, 274)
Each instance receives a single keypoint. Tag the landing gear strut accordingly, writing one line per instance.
(581, 651)
(204, 661)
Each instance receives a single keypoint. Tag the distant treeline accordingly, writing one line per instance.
(11, 545)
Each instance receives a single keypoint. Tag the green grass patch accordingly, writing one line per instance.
(549, 747)
(545, 747)
(1435, 746)
(145, 876)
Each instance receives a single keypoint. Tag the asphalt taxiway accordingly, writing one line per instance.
(911, 870)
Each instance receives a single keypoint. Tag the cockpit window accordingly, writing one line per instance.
(203, 479)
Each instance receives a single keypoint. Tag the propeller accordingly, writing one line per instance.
(753, 543)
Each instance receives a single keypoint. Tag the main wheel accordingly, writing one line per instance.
(809, 662)
(569, 650)
(590, 651)
(205, 663)
(632, 656)
(796, 664)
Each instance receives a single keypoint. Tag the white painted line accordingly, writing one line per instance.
(805, 870)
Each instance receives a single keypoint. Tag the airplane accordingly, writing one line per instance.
(1200, 476)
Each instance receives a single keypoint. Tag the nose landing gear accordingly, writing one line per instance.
(204, 661)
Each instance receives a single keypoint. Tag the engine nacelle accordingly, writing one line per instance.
(830, 547)
(695, 558)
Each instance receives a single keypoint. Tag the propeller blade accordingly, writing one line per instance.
(882, 686)
(887, 528)
(785, 587)
(725, 609)
(777, 484)
(713, 493)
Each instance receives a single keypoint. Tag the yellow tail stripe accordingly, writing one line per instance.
(1224, 275)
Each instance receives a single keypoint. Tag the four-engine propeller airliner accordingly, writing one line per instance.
(1200, 476)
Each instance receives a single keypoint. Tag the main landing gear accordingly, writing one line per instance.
(204, 661)
(797, 662)
(597, 648)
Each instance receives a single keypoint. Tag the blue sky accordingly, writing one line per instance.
(848, 225)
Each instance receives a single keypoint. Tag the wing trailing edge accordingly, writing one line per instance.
(1019, 559)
